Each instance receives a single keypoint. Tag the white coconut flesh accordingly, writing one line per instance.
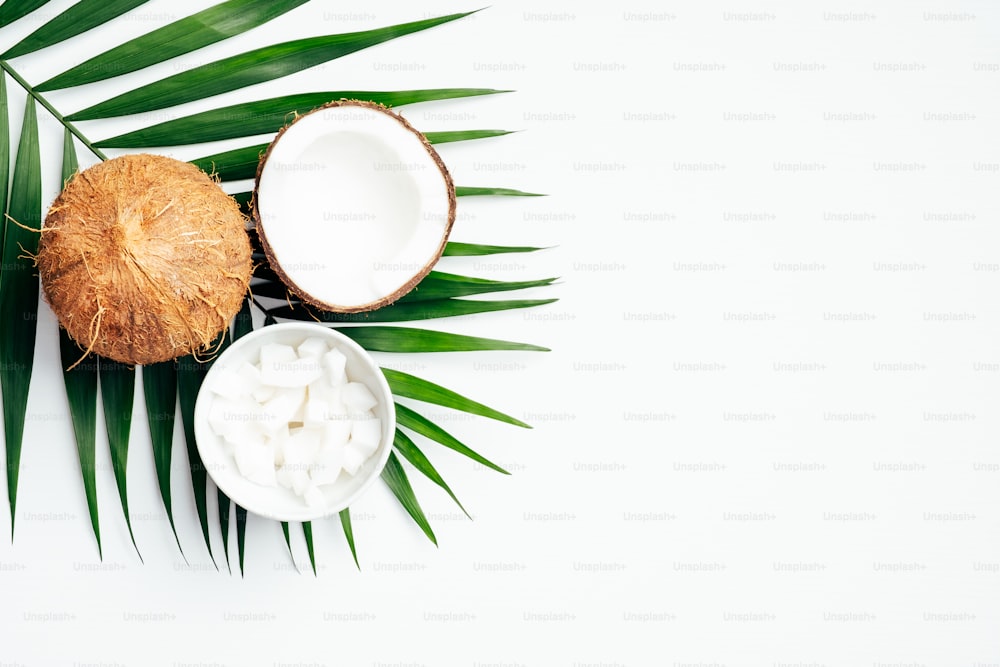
(353, 206)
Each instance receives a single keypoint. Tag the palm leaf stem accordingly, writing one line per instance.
(51, 109)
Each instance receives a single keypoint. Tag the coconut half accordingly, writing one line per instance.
(144, 258)
(353, 206)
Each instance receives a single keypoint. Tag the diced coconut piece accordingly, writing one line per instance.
(276, 441)
(228, 384)
(249, 375)
(255, 462)
(336, 432)
(280, 370)
(328, 464)
(315, 412)
(334, 362)
(263, 393)
(312, 347)
(227, 415)
(282, 407)
(301, 448)
(366, 434)
(357, 396)
(353, 458)
(313, 496)
(293, 479)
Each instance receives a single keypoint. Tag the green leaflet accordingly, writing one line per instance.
(118, 397)
(224, 506)
(159, 383)
(81, 393)
(4, 145)
(241, 534)
(12, 10)
(81, 386)
(439, 285)
(19, 295)
(412, 453)
(241, 163)
(395, 478)
(409, 311)
(417, 423)
(408, 339)
(288, 543)
(307, 531)
(452, 136)
(269, 116)
(190, 374)
(212, 25)
(76, 20)
(252, 67)
(345, 523)
(410, 386)
(466, 191)
(456, 249)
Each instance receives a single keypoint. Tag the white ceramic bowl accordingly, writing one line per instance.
(278, 502)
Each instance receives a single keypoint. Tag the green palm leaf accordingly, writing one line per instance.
(188, 34)
(268, 116)
(288, 543)
(81, 393)
(407, 339)
(439, 285)
(81, 386)
(410, 386)
(241, 163)
(4, 145)
(159, 383)
(417, 423)
(395, 478)
(456, 249)
(307, 531)
(190, 375)
(118, 398)
(241, 534)
(76, 20)
(466, 191)
(409, 311)
(452, 136)
(412, 453)
(12, 10)
(345, 523)
(19, 294)
(224, 507)
(247, 69)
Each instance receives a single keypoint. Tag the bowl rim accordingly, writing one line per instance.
(258, 337)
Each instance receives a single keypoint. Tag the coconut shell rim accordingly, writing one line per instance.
(419, 275)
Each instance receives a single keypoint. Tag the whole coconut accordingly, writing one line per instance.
(144, 258)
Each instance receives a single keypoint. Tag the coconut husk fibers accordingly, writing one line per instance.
(144, 258)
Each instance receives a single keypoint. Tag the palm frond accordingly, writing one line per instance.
(469, 191)
(418, 460)
(257, 66)
(76, 20)
(345, 524)
(159, 383)
(12, 11)
(457, 249)
(397, 481)
(19, 294)
(409, 339)
(212, 25)
(268, 116)
(118, 397)
(408, 311)
(410, 386)
(414, 421)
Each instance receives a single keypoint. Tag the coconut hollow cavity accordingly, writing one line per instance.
(353, 206)
(144, 258)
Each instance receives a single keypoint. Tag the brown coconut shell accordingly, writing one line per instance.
(289, 280)
(144, 258)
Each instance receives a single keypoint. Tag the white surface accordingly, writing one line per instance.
(352, 205)
(766, 434)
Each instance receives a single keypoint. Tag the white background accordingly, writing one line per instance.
(765, 434)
